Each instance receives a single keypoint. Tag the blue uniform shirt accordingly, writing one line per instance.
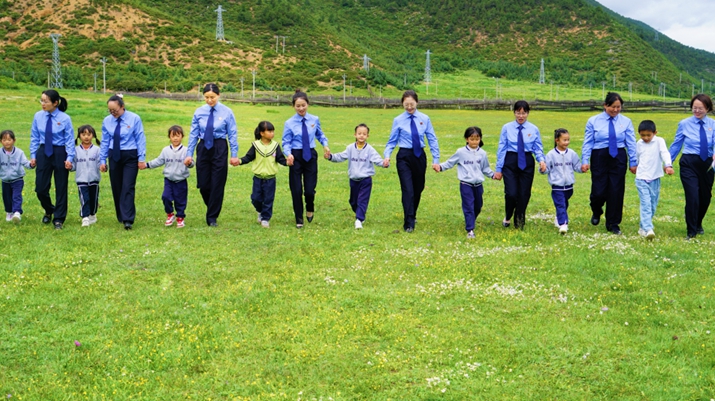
(508, 142)
(62, 132)
(131, 135)
(687, 137)
(293, 133)
(401, 134)
(224, 127)
(596, 136)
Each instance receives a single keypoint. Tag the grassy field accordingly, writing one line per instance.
(331, 313)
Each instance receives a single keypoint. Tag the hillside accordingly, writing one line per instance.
(152, 43)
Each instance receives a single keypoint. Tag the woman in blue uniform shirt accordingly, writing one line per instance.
(696, 137)
(299, 135)
(52, 151)
(519, 143)
(123, 141)
(409, 130)
(607, 137)
(213, 132)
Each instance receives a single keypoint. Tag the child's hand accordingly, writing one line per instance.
(437, 168)
(141, 165)
(33, 163)
(669, 171)
(68, 165)
(542, 167)
(235, 161)
(634, 169)
(326, 152)
(585, 167)
(289, 160)
(386, 162)
(497, 176)
(188, 161)
(103, 168)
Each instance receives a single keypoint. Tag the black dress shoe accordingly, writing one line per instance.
(615, 230)
(46, 219)
(213, 224)
(309, 218)
(505, 223)
(690, 236)
(409, 229)
(700, 231)
(595, 220)
(127, 225)
(58, 225)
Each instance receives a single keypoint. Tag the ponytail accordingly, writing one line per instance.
(55, 97)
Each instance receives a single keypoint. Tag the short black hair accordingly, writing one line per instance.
(175, 129)
(704, 99)
(299, 94)
(211, 88)
(9, 133)
(522, 105)
(646, 125)
(409, 93)
(363, 125)
(611, 98)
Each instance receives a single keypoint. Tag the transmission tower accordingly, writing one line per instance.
(284, 44)
(219, 24)
(104, 74)
(428, 71)
(366, 63)
(56, 81)
(542, 74)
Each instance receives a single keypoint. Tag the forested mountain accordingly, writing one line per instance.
(152, 43)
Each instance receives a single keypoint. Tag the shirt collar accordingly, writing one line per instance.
(177, 148)
(560, 152)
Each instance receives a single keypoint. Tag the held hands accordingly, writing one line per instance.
(669, 170)
(68, 165)
(289, 160)
(585, 167)
(633, 169)
(103, 168)
(142, 165)
(436, 167)
(542, 167)
(235, 161)
(497, 176)
(33, 163)
(188, 161)
(326, 152)
(386, 162)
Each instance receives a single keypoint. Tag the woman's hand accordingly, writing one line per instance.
(188, 161)
(585, 167)
(68, 165)
(142, 165)
(498, 176)
(289, 160)
(103, 168)
(542, 167)
(326, 152)
(33, 163)
(235, 161)
(634, 169)
(386, 162)
(436, 167)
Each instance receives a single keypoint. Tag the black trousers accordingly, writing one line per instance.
(211, 174)
(123, 177)
(517, 187)
(697, 185)
(303, 174)
(608, 185)
(411, 171)
(46, 167)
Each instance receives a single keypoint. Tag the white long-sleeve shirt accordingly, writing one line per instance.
(652, 157)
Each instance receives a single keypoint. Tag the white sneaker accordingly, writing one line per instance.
(8, 217)
(16, 217)
(265, 224)
(556, 222)
(358, 224)
(92, 219)
(470, 234)
(259, 219)
(563, 229)
(642, 232)
(85, 222)
(650, 235)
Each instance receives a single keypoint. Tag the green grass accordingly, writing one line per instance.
(241, 312)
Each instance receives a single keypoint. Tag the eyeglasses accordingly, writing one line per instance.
(114, 111)
(521, 114)
(698, 110)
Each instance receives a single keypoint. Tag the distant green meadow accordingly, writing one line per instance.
(240, 312)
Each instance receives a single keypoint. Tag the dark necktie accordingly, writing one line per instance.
(117, 149)
(48, 136)
(416, 145)
(209, 133)
(703, 141)
(306, 142)
(520, 154)
(612, 144)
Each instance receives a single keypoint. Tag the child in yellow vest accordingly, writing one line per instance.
(267, 155)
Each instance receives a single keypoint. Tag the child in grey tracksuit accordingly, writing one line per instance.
(361, 157)
(472, 167)
(176, 188)
(12, 170)
(87, 176)
(561, 163)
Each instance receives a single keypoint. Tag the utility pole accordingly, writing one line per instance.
(603, 90)
(56, 71)
(344, 76)
(219, 24)
(366, 63)
(428, 72)
(284, 44)
(614, 81)
(95, 83)
(242, 86)
(276, 36)
(254, 83)
(104, 74)
(630, 90)
(542, 73)
(702, 86)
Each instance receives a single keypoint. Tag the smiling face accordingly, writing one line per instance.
(361, 135)
(175, 138)
(211, 98)
(86, 138)
(300, 106)
(7, 142)
(115, 109)
(563, 142)
(47, 104)
(699, 109)
(614, 109)
(410, 104)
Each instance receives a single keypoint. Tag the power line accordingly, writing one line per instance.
(366, 63)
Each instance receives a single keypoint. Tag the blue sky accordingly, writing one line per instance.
(689, 22)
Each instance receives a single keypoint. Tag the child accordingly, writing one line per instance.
(12, 161)
(652, 155)
(561, 163)
(361, 157)
(176, 188)
(86, 164)
(267, 154)
(472, 166)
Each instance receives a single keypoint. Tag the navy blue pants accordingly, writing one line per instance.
(360, 196)
(46, 167)
(175, 196)
(561, 203)
(262, 196)
(608, 185)
(472, 201)
(211, 175)
(123, 177)
(411, 171)
(517, 187)
(698, 185)
(88, 198)
(303, 178)
(12, 195)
